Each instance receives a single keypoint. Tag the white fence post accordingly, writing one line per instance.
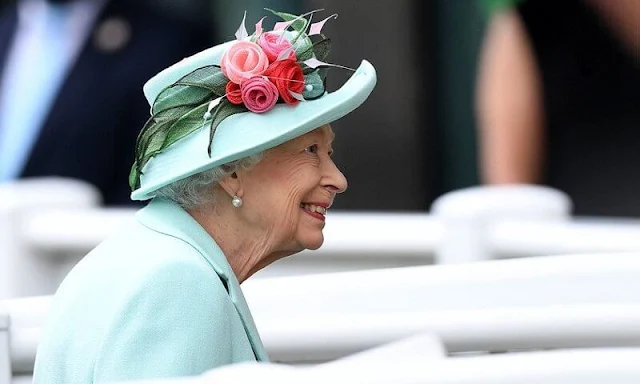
(5, 358)
(467, 214)
(22, 272)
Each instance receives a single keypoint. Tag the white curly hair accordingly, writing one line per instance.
(196, 190)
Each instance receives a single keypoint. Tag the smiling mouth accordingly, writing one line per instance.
(314, 210)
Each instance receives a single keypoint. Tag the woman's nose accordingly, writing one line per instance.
(335, 179)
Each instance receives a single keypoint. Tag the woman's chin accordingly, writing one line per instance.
(313, 242)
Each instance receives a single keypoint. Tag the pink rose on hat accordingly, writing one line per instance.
(259, 94)
(273, 44)
(243, 60)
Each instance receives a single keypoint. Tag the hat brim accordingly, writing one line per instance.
(248, 133)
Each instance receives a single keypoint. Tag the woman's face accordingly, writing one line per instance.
(287, 193)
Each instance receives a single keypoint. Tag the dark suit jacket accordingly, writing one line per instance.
(91, 129)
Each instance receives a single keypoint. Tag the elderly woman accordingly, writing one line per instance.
(236, 158)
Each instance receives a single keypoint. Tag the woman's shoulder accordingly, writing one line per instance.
(137, 245)
(137, 259)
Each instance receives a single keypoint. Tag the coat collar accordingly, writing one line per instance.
(168, 218)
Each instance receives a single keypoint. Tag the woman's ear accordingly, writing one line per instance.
(232, 184)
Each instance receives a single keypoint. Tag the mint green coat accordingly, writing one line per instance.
(156, 300)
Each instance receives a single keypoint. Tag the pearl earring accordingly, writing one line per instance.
(236, 201)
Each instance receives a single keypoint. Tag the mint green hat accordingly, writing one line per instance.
(240, 98)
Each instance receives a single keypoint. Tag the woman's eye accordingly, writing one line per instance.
(312, 148)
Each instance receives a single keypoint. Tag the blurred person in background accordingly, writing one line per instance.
(70, 74)
(558, 100)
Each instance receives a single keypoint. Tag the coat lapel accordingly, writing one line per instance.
(166, 217)
(247, 320)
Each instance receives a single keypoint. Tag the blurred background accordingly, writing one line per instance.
(469, 92)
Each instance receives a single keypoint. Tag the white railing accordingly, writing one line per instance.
(5, 350)
(421, 348)
(27, 320)
(47, 225)
(526, 282)
(535, 303)
(615, 366)
(306, 339)
(420, 359)
(313, 340)
(23, 272)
